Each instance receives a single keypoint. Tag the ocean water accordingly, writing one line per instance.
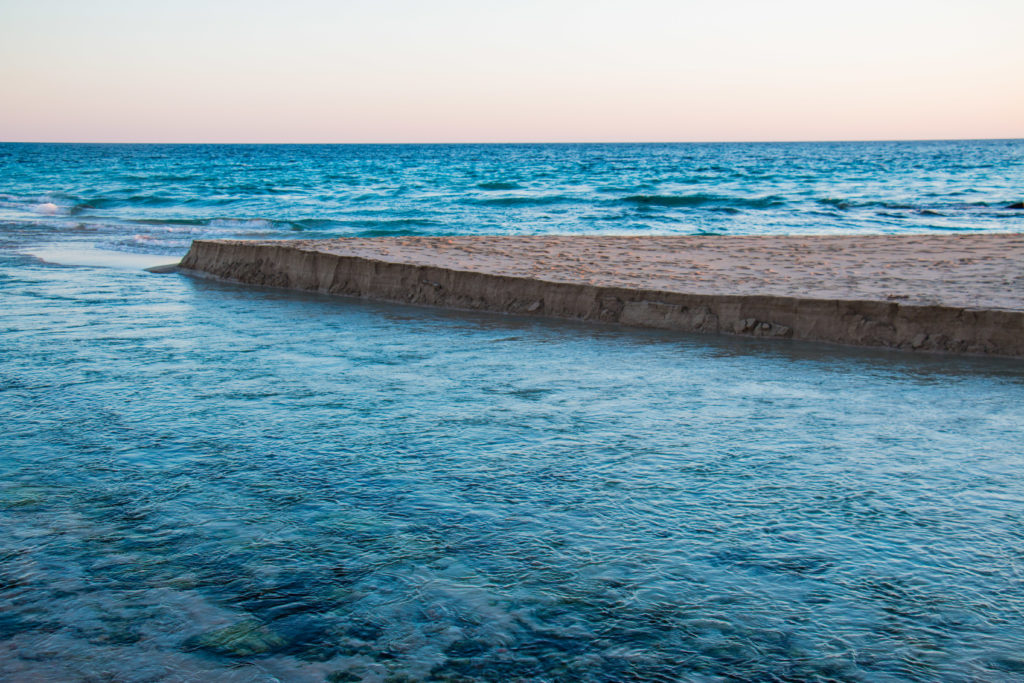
(157, 198)
(200, 481)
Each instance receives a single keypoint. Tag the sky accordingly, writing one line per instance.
(335, 71)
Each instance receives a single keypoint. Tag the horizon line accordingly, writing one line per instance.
(531, 142)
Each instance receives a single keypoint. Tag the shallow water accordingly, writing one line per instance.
(199, 480)
(203, 481)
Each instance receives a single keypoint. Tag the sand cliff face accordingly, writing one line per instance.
(428, 271)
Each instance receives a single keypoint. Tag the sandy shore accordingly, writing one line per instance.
(956, 293)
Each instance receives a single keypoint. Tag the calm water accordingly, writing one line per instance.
(200, 481)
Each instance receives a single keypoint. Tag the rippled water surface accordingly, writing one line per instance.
(159, 197)
(205, 482)
(199, 478)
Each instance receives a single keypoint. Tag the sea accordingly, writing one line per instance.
(204, 481)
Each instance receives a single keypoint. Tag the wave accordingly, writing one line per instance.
(244, 224)
(924, 208)
(844, 204)
(47, 209)
(370, 223)
(45, 205)
(158, 201)
(958, 228)
(535, 200)
(700, 200)
(266, 225)
(835, 202)
(135, 200)
(169, 221)
(499, 185)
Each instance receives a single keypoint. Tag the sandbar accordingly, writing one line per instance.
(923, 292)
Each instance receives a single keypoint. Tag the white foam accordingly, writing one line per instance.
(38, 205)
(83, 254)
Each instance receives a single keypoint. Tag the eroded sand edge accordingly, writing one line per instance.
(959, 293)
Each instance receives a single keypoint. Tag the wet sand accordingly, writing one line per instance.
(956, 293)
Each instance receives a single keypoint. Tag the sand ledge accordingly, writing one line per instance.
(959, 294)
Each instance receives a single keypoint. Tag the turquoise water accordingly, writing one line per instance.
(201, 481)
(160, 197)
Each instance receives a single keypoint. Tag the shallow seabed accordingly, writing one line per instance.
(199, 480)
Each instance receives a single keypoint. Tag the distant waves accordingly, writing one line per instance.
(159, 197)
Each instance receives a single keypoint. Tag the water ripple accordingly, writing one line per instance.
(189, 487)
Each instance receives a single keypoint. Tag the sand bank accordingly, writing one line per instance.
(957, 293)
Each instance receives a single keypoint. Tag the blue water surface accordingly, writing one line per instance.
(200, 481)
(156, 198)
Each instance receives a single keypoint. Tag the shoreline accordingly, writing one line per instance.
(944, 293)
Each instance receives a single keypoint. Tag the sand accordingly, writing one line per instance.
(951, 293)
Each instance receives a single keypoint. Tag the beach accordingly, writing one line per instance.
(946, 293)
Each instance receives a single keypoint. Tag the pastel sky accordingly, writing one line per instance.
(509, 71)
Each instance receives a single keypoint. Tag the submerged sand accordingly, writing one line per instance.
(960, 293)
